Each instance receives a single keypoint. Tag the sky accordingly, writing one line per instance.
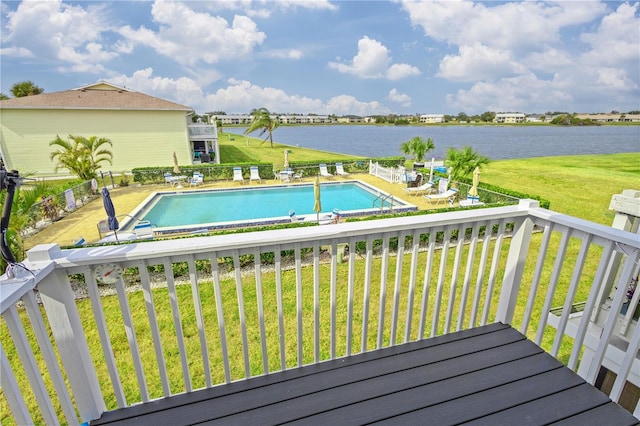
(335, 57)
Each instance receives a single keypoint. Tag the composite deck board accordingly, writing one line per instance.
(487, 375)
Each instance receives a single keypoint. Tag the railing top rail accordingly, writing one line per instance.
(596, 229)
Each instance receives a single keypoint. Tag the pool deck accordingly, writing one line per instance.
(83, 222)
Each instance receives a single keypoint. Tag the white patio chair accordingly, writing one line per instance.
(255, 175)
(237, 175)
(449, 195)
(422, 189)
(340, 170)
(197, 179)
(324, 172)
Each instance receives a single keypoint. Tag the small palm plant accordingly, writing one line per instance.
(81, 156)
(417, 147)
(262, 120)
(462, 162)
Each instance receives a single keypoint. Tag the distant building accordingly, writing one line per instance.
(432, 118)
(610, 118)
(509, 117)
(233, 119)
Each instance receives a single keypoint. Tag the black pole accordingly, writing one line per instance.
(10, 181)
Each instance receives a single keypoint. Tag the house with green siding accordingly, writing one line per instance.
(145, 130)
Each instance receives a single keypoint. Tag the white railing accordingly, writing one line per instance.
(390, 174)
(272, 300)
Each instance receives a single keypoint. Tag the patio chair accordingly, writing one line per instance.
(237, 175)
(255, 175)
(340, 170)
(168, 179)
(143, 230)
(420, 190)
(297, 175)
(449, 195)
(197, 179)
(324, 172)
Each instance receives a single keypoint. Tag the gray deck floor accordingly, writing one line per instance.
(488, 375)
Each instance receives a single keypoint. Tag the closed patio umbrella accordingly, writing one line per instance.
(473, 191)
(286, 159)
(317, 207)
(176, 169)
(111, 212)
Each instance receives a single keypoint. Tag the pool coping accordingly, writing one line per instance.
(140, 210)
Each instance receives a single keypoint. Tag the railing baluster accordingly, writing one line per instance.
(486, 244)
(553, 283)
(30, 365)
(177, 324)
(278, 272)
(299, 302)
(396, 287)
(383, 288)
(316, 301)
(535, 283)
(426, 282)
(571, 293)
(133, 341)
(44, 344)
(197, 304)
(415, 252)
(263, 333)
(366, 298)
(467, 275)
(590, 305)
(153, 325)
(493, 272)
(105, 340)
(222, 330)
(12, 392)
(454, 278)
(241, 314)
(350, 295)
(444, 253)
(332, 299)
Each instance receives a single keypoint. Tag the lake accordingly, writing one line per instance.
(495, 142)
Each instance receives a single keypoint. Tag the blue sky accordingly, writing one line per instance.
(335, 57)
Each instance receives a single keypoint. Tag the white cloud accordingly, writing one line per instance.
(284, 54)
(373, 61)
(56, 32)
(191, 37)
(400, 98)
(479, 62)
(345, 104)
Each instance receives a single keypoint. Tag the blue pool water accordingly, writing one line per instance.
(221, 208)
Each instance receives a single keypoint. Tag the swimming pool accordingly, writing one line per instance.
(189, 211)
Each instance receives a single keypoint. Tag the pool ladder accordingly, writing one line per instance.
(383, 198)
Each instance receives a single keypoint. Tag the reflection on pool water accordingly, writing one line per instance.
(188, 211)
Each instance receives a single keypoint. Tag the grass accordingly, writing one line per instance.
(580, 186)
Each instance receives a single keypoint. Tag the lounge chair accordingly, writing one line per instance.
(237, 175)
(168, 179)
(255, 175)
(422, 189)
(197, 179)
(340, 170)
(297, 175)
(143, 230)
(324, 172)
(449, 195)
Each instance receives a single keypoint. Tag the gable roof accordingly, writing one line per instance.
(101, 95)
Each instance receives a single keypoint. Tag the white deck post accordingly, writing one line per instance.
(515, 265)
(59, 304)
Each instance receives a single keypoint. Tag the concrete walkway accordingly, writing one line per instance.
(83, 222)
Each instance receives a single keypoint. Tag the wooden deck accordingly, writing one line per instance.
(488, 375)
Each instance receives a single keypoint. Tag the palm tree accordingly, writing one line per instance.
(25, 88)
(417, 147)
(81, 156)
(463, 162)
(262, 120)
